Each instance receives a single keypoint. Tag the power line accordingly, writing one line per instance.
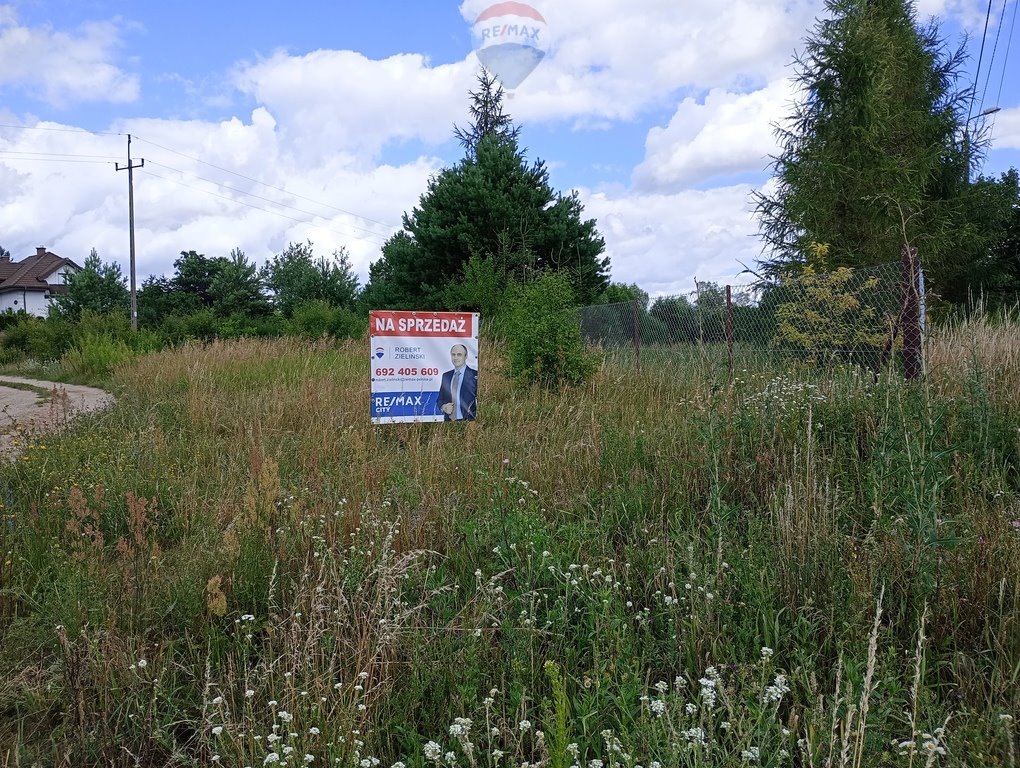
(259, 197)
(60, 130)
(991, 61)
(254, 207)
(981, 54)
(54, 160)
(56, 154)
(1005, 60)
(266, 184)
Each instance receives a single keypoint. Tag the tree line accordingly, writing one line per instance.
(878, 153)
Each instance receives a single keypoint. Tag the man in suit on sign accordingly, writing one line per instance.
(459, 388)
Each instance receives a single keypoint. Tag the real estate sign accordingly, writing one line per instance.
(424, 366)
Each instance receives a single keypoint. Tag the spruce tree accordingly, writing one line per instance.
(487, 116)
(492, 206)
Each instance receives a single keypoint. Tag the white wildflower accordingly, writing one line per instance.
(460, 728)
(695, 736)
(708, 693)
(774, 693)
(432, 751)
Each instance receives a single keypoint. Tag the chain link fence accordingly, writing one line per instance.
(869, 316)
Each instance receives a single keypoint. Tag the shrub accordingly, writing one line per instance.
(9, 318)
(200, 325)
(96, 355)
(116, 325)
(37, 338)
(544, 333)
(146, 340)
(238, 326)
(317, 318)
(312, 319)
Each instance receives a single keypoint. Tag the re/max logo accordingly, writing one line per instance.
(384, 404)
(511, 30)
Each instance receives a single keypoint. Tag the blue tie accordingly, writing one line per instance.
(456, 393)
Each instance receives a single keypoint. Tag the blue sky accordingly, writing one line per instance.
(263, 123)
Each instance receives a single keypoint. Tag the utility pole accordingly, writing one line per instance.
(131, 226)
(967, 139)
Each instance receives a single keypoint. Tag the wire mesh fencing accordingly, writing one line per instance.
(869, 316)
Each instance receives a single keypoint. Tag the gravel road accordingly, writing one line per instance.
(30, 411)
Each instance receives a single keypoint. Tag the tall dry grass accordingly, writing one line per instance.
(293, 577)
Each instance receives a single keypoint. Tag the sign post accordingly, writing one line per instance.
(424, 366)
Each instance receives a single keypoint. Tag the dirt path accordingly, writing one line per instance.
(33, 407)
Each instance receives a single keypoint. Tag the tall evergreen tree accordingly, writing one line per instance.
(872, 156)
(487, 116)
(495, 206)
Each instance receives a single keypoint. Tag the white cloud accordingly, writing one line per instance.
(609, 64)
(320, 122)
(1006, 129)
(727, 134)
(663, 242)
(970, 13)
(63, 67)
(181, 204)
(343, 101)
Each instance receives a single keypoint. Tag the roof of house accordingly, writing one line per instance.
(31, 273)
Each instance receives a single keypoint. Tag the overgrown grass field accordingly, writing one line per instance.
(667, 568)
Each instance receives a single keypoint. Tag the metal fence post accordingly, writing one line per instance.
(636, 320)
(729, 329)
(913, 364)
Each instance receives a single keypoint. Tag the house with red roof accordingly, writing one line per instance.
(29, 285)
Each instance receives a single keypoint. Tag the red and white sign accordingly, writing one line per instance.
(424, 366)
